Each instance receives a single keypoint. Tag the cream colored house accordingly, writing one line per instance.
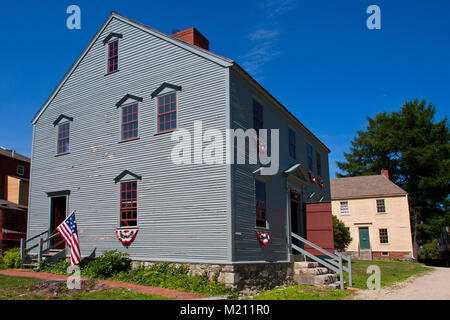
(376, 211)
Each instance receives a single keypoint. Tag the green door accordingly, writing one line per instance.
(364, 242)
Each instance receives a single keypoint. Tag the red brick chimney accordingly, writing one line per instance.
(192, 36)
(385, 173)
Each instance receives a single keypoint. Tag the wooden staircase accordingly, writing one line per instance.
(46, 251)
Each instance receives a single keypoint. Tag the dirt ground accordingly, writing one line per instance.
(434, 285)
(54, 288)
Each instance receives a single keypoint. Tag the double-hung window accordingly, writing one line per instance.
(292, 145)
(113, 56)
(344, 208)
(257, 116)
(381, 207)
(318, 164)
(167, 112)
(129, 122)
(384, 236)
(20, 170)
(128, 204)
(260, 203)
(63, 137)
(309, 156)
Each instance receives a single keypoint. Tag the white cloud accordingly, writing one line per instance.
(264, 36)
(275, 8)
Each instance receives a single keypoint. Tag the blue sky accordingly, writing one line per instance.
(316, 57)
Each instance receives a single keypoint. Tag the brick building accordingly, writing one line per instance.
(14, 181)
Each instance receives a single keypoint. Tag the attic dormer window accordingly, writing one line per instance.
(112, 40)
(113, 56)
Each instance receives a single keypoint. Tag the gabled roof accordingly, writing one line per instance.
(13, 154)
(364, 187)
(223, 61)
(114, 15)
(163, 86)
(297, 172)
(126, 97)
(60, 118)
(127, 173)
(112, 35)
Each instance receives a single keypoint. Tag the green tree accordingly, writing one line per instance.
(430, 250)
(415, 149)
(341, 235)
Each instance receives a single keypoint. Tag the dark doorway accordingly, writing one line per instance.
(58, 215)
(296, 218)
(294, 221)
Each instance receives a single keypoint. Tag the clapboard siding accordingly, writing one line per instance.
(246, 246)
(182, 210)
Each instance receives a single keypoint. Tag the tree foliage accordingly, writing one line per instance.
(415, 149)
(341, 235)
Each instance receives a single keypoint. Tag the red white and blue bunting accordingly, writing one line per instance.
(312, 178)
(126, 236)
(320, 182)
(263, 237)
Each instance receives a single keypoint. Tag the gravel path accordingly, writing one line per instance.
(434, 285)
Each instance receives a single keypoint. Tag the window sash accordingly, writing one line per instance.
(167, 112)
(20, 170)
(309, 156)
(130, 115)
(258, 121)
(318, 164)
(383, 236)
(344, 208)
(128, 204)
(63, 138)
(260, 203)
(292, 143)
(113, 56)
(381, 206)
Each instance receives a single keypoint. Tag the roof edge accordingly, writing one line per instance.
(238, 68)
(225, 62)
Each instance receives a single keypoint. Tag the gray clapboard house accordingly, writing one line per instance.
(102, 145)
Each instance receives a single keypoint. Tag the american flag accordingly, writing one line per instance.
(68, 230)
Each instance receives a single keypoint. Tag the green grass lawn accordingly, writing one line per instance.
(391, 272)
(13, 286)
(302, 292)
(18, 288)
(113, 294)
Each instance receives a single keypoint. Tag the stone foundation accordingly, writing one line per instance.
(246, 276)
(388, 255)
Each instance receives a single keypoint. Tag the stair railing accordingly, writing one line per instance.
(40, 245)
(333, 262)
(23, 246)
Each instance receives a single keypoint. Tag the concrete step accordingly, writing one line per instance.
(316, 280)
(365, 255)
(305, 265)
(334, 285)
(312, 271)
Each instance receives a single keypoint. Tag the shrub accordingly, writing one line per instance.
(2, 264)
(341, 235)
(11, 258)
(430, 250)
(173, 277)
(108, 264)
(59, 267)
